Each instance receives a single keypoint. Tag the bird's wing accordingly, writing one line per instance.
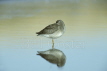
(49, 29)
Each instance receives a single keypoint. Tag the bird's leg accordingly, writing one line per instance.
(52, 43)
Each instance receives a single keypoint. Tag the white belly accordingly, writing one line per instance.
(54, 35)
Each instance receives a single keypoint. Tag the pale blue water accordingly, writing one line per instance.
(18, 52)
(84, 55)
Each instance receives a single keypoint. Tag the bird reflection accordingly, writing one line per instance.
(54, 56)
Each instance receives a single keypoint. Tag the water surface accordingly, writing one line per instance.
(84, 42)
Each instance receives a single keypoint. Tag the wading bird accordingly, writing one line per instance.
(53, 31)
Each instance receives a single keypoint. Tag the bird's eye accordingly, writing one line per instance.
(57, 21)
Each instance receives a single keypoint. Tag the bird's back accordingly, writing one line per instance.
(50, 29)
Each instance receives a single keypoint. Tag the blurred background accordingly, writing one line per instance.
(84, 42)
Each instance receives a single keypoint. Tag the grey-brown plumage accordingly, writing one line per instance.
(53, 31)
(50, 29)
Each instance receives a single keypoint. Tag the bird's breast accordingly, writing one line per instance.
(56, 34)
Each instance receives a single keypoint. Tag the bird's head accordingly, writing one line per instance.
(60, 22)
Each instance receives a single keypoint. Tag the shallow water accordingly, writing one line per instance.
(84, 42)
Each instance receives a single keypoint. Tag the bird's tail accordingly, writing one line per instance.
(37, 33)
